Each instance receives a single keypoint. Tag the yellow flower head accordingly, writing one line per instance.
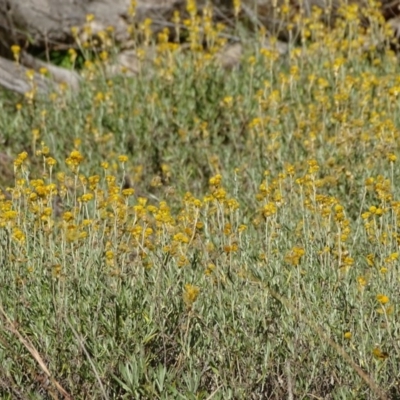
(347, 335)
(190, 294)
(382, 299)
(86, 197)
(122, 158)
(379, 354)
(269, 209)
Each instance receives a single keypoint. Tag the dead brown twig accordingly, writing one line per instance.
(10, 326)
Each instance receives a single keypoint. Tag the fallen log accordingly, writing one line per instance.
(45, 25)
(15, 77)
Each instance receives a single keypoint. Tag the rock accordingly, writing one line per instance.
(230, 56)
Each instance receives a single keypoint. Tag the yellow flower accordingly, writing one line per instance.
(347, 335)
(215, 180)
(86, 197)
(72, 233)
(56, 270)
(228, 229)
(313, 166)
(232, 204)
(89, 17)
(128, 192)
(242, 228)
(18, 235)
(236, 7)
(99, 97)
(20, 159)
(148, 232)
(191, 8)
(68, 216)
(370, 259)
(16, 50)
(47, 211)
(122, 158)
(269, 209)
(72, 52)
(75, 158)
(387, 310)
(182, 261)
(190, 294)
(75, 155)
(104, 55)
(43, 71)
(348, 261)
(219, 194)
(231, 249)
(382, 299)
(30, 73)
(50, 161)
(228, 100)
(294, 257)
(181, 237)
(209, 270)
(23, 156)
(379, 354)
(362, 281)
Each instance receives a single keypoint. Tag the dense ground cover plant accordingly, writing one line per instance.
(197, 234)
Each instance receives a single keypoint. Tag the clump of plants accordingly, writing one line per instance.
(196, 233)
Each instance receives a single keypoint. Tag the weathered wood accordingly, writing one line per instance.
(57, 74)
(13, 77)
(49, 22)
(46, 25)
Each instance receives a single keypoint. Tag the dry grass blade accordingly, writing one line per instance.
(35, 354)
